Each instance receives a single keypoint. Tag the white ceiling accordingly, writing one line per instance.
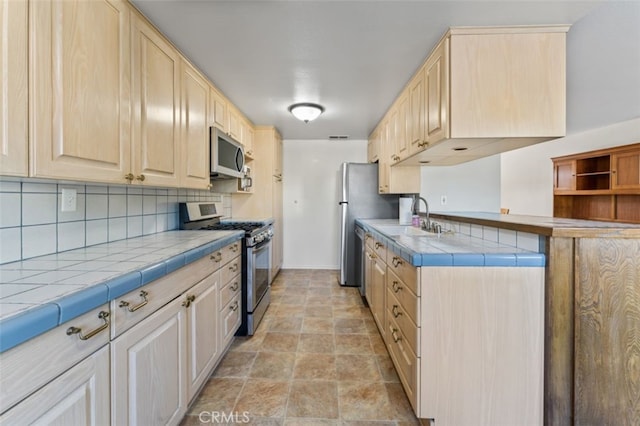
(353, 57)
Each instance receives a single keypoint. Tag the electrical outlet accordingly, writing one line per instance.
(443, 200)
(69, 200)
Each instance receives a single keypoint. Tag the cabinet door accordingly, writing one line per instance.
(383, 162)
(277, 156)
(202, 330)
(277, 242)
(247, 137)
(79, 396)
(373, 147)
(195, 129)
(80, 97)
(416, 113)
(218, 109)
(626, 170)
(378, 292)
(402, 128)
(156, 107)
(437, 94)
(564, 176)
(368, 276)
(393, 148)
(230, 319)
(149, 370)
(14, 145)
(234, 123)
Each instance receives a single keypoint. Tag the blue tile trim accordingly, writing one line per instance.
(153, 272)
(124, 284)
(22, 327)
(443, 259)
(463, 259)
(83, 301)
(175, 263)
(500, 260)
(193, 255)
(530, 259)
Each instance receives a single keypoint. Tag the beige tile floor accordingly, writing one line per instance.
(316, 359)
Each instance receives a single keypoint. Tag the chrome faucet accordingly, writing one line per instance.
(415, 210)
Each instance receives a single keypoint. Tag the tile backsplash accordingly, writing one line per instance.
(32, 223)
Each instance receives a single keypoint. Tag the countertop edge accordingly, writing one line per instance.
(34, 321)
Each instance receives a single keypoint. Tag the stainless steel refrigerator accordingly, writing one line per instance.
(359, 200)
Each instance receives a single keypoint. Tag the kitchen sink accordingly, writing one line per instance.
(409, 231)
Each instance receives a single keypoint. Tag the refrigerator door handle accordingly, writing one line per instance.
(343, 202)
(343, 243)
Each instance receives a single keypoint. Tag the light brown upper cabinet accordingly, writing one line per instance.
(14, 145)
(195, 129)
(246, 137)
(79, 89)
(156, 107)
(217, 109)
(564, 176)
(234, 124)
(488, 90)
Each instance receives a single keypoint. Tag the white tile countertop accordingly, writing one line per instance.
(43, 292)
(449, 248)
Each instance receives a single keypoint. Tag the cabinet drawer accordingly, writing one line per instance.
(230, 290)
(405, 361)
(408, 328)
(27, 367)
(135, 306)
(406, 297)
(405, 271)
(228, 252)
(380, 249)
(231, 318)
(230, 270)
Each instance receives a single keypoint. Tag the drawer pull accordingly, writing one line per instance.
(396, 287)
(378, 245)
(234, 267)
(394, 334)
(396, 261)
(188, 301)
(396, 311)
(103, 315)
(234, 248)
(234, 286)
(216, 257)
(234, 307)
(125, 304)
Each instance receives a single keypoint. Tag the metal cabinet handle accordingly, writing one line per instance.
(234, 267)
(188, 301)
(234, 307)
(396, 287)
(378, 245)
(396, 312)
(216, 257)
(234, 286)
(423, 144)
(129, 177)
(125, 304)
(234, 248)
(103, 315)
(141, 178)
(394, 334)
(396, 261)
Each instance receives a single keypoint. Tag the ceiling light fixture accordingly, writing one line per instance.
(306, 111)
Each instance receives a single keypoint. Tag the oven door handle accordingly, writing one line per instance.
(261, 245)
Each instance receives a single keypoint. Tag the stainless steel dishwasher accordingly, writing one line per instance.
(359, 259)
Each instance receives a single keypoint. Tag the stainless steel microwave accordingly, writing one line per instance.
(227, 156)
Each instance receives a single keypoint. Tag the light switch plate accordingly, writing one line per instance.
(69, 200)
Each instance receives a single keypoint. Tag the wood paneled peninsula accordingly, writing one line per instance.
(592, 313)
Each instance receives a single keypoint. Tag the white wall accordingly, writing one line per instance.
(472, 186)
(311, 214)
(527, 173)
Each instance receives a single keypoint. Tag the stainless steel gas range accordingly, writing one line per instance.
(256, 257)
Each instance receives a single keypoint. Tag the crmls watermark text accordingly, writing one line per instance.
(222, 417)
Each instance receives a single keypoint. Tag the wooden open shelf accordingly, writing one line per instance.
(598, 185)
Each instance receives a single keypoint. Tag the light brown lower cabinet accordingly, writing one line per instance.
(467, 342)
(152, 351)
